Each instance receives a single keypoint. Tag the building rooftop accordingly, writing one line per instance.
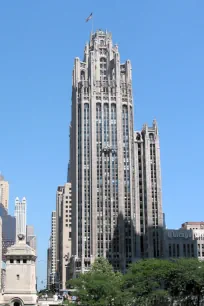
(193, 223)
(20, 248)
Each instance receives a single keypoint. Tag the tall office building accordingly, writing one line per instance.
(102, 157)
(4, 192)
(8, 230)
(149, 214)
(49, 264)
(53, 249)
(20, 214)
(31, 237)
(63, 232)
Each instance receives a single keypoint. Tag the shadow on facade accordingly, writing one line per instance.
(128, 246)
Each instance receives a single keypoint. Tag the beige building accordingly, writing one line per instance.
(149, 213)
(63, 232)
(198, 235)
(4, 192)
(20, 285)
(102, 157)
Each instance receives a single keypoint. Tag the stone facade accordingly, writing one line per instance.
(20, 285)
(102, 157)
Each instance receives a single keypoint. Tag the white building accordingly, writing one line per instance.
(20, 214)
(102, 157)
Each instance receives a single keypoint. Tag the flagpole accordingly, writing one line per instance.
(92, 25)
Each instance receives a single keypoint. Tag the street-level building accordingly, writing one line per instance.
(198, 236)
(179, 243)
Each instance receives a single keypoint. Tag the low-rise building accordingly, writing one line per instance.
(179, 243)
(198, 235)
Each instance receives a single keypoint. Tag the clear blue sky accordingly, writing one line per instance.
(38, 43)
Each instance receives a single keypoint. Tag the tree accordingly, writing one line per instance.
(185, 281)
(144, 281)
(101, 286)
(163, 282)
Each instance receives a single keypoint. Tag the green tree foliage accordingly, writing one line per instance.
(101, 286)
(151, 282)
(162, 282)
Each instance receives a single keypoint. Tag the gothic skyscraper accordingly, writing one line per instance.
(102, 157)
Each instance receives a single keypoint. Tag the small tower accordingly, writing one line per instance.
(20, 287)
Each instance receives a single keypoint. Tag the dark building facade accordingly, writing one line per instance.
(8, 230)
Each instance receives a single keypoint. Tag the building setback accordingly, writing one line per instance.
(102, 157)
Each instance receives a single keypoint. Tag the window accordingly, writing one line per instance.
(24, 261)
(11, 260)
(18, 261)
(18, 276)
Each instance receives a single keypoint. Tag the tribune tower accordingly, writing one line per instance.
(102, 157)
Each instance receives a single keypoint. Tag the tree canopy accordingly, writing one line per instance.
(149, 282)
